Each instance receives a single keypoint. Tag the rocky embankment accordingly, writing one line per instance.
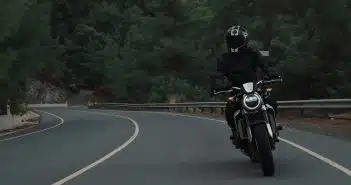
(43, 92)
(37, 92)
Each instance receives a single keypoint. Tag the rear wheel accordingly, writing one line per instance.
(264, 149)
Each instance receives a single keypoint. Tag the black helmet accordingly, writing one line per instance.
(236, 37)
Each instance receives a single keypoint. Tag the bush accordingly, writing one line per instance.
(18, 108)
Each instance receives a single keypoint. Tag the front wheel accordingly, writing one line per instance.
(264, 149)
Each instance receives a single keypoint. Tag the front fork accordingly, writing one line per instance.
(270, 123)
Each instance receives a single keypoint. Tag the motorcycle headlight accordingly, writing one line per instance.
(252, 101)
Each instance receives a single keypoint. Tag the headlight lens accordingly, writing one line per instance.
(252, 101)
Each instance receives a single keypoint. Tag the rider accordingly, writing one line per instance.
(239, 65)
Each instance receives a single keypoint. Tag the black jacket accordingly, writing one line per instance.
(241, 67)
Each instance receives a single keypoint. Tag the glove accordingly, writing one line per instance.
(270, 76)
(275, 76)
(212, 91)
(266, 77)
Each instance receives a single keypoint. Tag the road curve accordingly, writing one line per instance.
(169, 149)
(45, 157)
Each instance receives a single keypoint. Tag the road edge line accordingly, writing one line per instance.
(306, 150)
(38, 131)
(107, 156)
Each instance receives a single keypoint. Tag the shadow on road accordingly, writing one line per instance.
(230, 170)
(221, 169)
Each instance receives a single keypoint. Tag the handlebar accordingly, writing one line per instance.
(227, 91)
(261, 82)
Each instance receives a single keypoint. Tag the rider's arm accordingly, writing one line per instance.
(219, 79)
(221, 67)
(261, 63)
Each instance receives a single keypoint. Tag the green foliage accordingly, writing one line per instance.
(18, 108)
(145, 51)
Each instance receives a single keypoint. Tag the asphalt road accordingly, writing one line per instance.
(156, 148)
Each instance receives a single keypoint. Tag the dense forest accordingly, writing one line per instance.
(146, 50)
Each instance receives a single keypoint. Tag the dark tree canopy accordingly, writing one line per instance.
(144, 51)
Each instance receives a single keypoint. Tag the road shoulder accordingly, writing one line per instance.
(13, 124)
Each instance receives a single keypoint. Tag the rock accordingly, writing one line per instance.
(42, 92)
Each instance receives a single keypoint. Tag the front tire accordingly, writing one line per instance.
(264, 149)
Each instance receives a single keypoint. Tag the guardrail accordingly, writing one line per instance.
(47, 105)
(326, 105)
(294, 104)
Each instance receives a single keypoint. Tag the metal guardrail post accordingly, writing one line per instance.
(8, 109)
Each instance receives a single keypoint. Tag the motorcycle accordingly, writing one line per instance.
(255, 122)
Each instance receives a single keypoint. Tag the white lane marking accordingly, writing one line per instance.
(314, 154)
(38, 131)
(107, 156)
(320, 157)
